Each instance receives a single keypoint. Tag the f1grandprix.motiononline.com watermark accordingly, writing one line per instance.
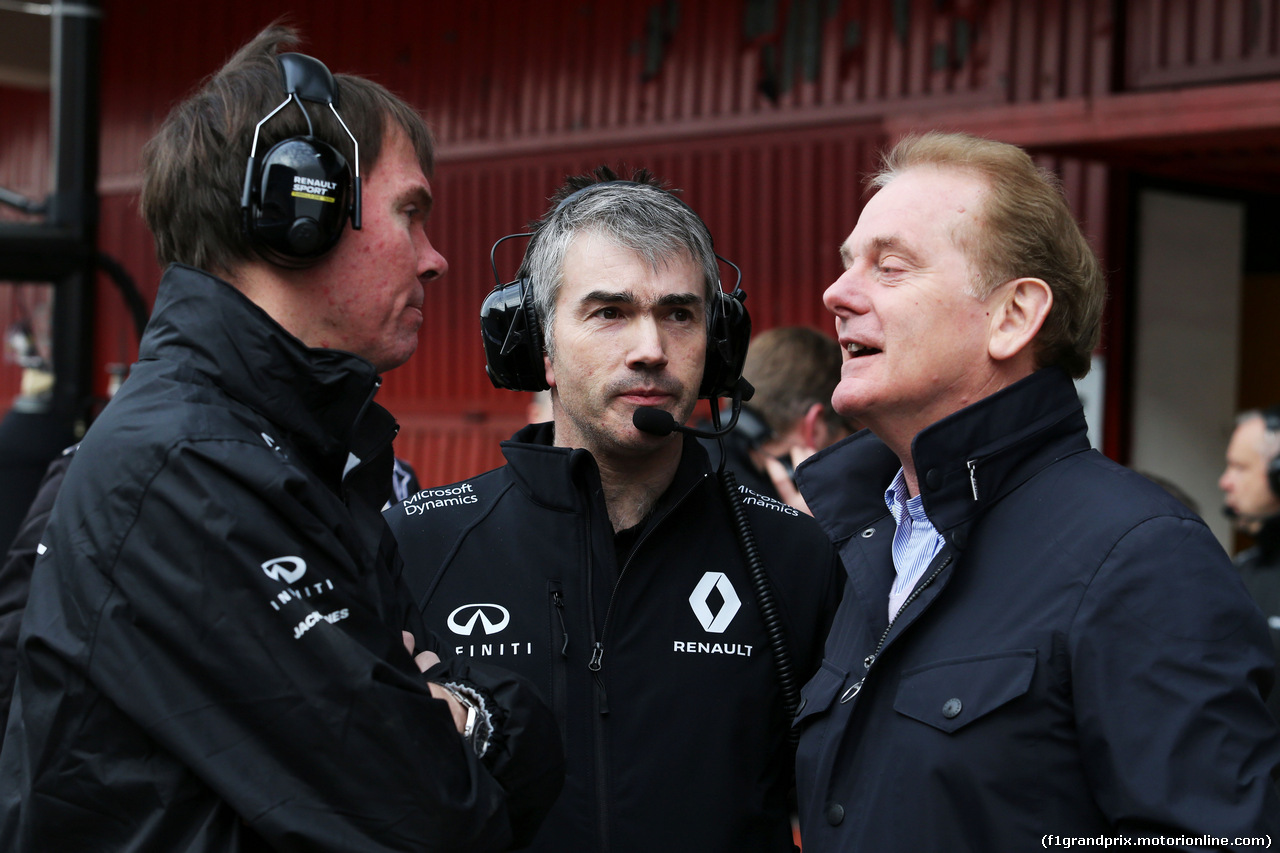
(1205, 841)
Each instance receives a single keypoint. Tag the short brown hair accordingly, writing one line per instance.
(194, 167)
(791, 368)
(1028, 230)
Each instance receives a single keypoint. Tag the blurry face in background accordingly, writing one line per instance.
(1244, 482)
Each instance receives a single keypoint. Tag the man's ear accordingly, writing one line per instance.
(549, 371)
(813, 428)
(1019, 308)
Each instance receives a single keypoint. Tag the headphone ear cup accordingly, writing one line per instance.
(300, 200)
(728, 335)
(512, 334)
(1271, 423)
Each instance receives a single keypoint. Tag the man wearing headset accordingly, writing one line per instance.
(217, 651)
(1249, 489)
(602, 560)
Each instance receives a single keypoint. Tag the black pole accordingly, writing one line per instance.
(61, 250)
(73, 206)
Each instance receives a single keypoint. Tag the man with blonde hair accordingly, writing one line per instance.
(1034, 644)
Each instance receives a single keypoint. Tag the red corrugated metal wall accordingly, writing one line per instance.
(1175, 42)
(766, 113)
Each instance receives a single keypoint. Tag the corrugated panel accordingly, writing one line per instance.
(497, 73)
(445, 450)
(1201, 41)
(766, 112)
(24, 143)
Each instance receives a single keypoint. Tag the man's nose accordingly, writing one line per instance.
(646, 345)
(846, 294)
(431, 264)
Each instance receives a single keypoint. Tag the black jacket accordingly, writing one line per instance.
(657, 665)
(211, 656)
(15, 575)
(1078, 661)
(1259, 568)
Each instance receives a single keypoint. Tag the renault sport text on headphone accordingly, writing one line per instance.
(298, 198)
(512, 329)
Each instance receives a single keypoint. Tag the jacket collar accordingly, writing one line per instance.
(556, 476)
(316, 396)
(965, 462)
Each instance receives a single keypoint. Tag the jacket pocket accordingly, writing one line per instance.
(949, 695)
(820, 692)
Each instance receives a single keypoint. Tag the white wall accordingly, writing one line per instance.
(1189, 267)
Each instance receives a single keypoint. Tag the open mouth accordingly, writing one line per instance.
(857, 350)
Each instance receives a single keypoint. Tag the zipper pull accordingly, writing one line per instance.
(973, 476)
(596, 654)
(558, 600)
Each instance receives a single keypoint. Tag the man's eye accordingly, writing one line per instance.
(609, 313)
(682, 315)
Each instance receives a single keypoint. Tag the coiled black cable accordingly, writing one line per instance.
(765, 600)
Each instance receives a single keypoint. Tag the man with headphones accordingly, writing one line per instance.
(1250, 487)
(603, 560)
(218, 652)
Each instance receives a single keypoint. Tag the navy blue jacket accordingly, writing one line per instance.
(1079, 660)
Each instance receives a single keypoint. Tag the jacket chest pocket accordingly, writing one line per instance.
(949, 695)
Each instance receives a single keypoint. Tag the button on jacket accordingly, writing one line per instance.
(656, 662)
(1078, 660)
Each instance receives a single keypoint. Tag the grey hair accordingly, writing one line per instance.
(642, 217)
(1269, 442)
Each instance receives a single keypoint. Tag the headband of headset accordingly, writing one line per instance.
(1271, 422)
(298, 196)
(512, 330)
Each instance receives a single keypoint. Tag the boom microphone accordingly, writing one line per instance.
(654, 421)
(660, 422)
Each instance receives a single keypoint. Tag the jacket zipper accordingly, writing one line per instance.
(597, 652)
(559, 667)
(602, 699)
(871, 658)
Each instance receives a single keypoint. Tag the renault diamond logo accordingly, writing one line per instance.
(471, 612)
(714, 624)
(286, 569)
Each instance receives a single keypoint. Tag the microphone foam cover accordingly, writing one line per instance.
(653, 421)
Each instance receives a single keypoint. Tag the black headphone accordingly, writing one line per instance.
(512, 330)
(298, 198)
(1271, 423)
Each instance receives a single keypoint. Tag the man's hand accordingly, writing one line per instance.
(426, 660)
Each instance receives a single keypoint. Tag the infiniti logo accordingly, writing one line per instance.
(285, 569)
(714, 623)
(463, 620)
